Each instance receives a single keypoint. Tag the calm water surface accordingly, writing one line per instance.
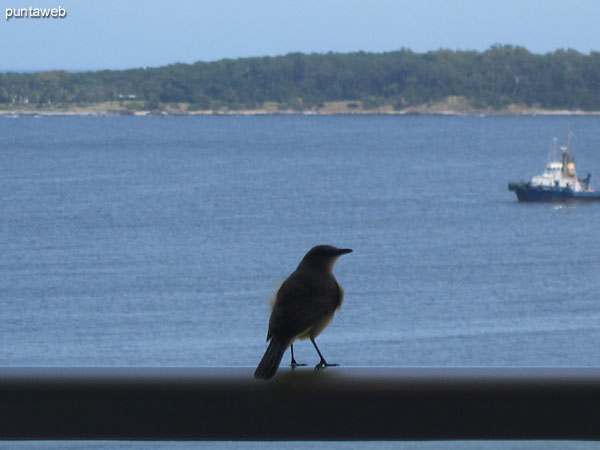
(159, 240)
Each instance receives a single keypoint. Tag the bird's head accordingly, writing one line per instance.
(323, 256)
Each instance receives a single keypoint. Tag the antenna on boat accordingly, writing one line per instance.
(554, 150)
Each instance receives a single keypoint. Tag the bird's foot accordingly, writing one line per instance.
(323, 364)
(295, 364)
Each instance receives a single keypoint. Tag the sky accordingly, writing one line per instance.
(121, 34)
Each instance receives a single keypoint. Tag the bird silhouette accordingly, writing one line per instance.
(304, 305)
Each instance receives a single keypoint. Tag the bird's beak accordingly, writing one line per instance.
(343, 251)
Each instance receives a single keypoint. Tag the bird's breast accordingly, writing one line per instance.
(340, 296)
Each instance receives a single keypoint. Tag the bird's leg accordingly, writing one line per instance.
(294, 364)
(322, 364)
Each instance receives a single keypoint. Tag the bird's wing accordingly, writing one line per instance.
(298, 306)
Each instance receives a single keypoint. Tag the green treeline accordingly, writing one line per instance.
(500, 76)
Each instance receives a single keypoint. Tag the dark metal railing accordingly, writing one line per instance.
(334, 404)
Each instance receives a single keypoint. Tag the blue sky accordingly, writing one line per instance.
(118, 34)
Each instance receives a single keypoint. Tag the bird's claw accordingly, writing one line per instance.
(295, 364)
(323, 364)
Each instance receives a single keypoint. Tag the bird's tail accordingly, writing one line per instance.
(270, 361)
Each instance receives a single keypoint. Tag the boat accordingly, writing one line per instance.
(558, 183)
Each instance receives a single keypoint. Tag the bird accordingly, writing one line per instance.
(304, 305)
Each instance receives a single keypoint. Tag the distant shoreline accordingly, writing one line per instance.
(296, 113)
(451, 107)
(504, 80)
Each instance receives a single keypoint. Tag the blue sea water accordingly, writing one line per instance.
(158, 241)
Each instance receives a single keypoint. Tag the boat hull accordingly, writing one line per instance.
(528, 193)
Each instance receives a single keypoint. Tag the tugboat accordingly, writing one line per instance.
(558, 183)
